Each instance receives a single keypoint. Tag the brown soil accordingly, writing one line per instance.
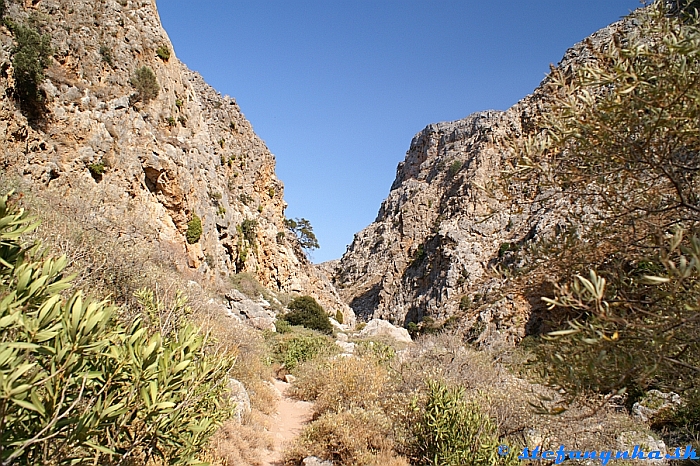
(287, 424)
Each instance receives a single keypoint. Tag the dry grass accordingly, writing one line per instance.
(353, 437)
(342, 383)
(509, 399)
(239, 444)
(361, 398)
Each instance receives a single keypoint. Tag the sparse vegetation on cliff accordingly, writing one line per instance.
(163, 52)
(304, 232)
(194, 229)
(146, 85)
(31, 55)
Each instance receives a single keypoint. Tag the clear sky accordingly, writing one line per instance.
(337, 88)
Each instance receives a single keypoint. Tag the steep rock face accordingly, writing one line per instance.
(189, 151)
(437, 231)
(432, 248)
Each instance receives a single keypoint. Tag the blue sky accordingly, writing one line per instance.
(337, 89)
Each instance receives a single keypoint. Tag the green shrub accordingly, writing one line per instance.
(455, 167)
(194, 230)
(452, 432)
(305, 311)
(146, 84)
(282, 326)
(163, 52)
(97, 169)
(379, 350)
(106, 54)
(301, 348)
(505, 247)
(465, 303)
(30, 57)
(248, 228)
(179, 103)
(339, 316)
(79, 387)
(418, 256)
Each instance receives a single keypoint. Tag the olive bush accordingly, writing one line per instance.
(620, 139)
(78, 386)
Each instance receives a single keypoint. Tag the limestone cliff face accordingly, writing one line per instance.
(189, 151)
(441, 229)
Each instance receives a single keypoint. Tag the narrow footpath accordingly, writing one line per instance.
(291, 417)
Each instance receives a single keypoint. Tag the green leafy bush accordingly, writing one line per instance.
(301, 348)
(452, 432)
(194, 230)
(380, 351)
(163, 52)
(31, 55)
(305, 311)
(282, 326)
(620, 137)
(79, 387)
(97, 169)
(146, 84)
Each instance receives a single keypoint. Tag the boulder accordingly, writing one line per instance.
(347, 347)
(315, 461)
(258, 316)
(628, 440)
(383, 328)
(239, 395)
(655, 405)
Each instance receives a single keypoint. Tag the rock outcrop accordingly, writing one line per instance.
(431, 250)
(147, 168)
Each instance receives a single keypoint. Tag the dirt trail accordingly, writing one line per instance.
(287, 424)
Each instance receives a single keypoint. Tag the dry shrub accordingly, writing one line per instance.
(444, 356)
(507, 398)
(239, 444)
(252, 356)
(388, 458)
(342, 383)
(355, 437)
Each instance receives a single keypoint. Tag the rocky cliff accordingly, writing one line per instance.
(432, 250)
(146, 167)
